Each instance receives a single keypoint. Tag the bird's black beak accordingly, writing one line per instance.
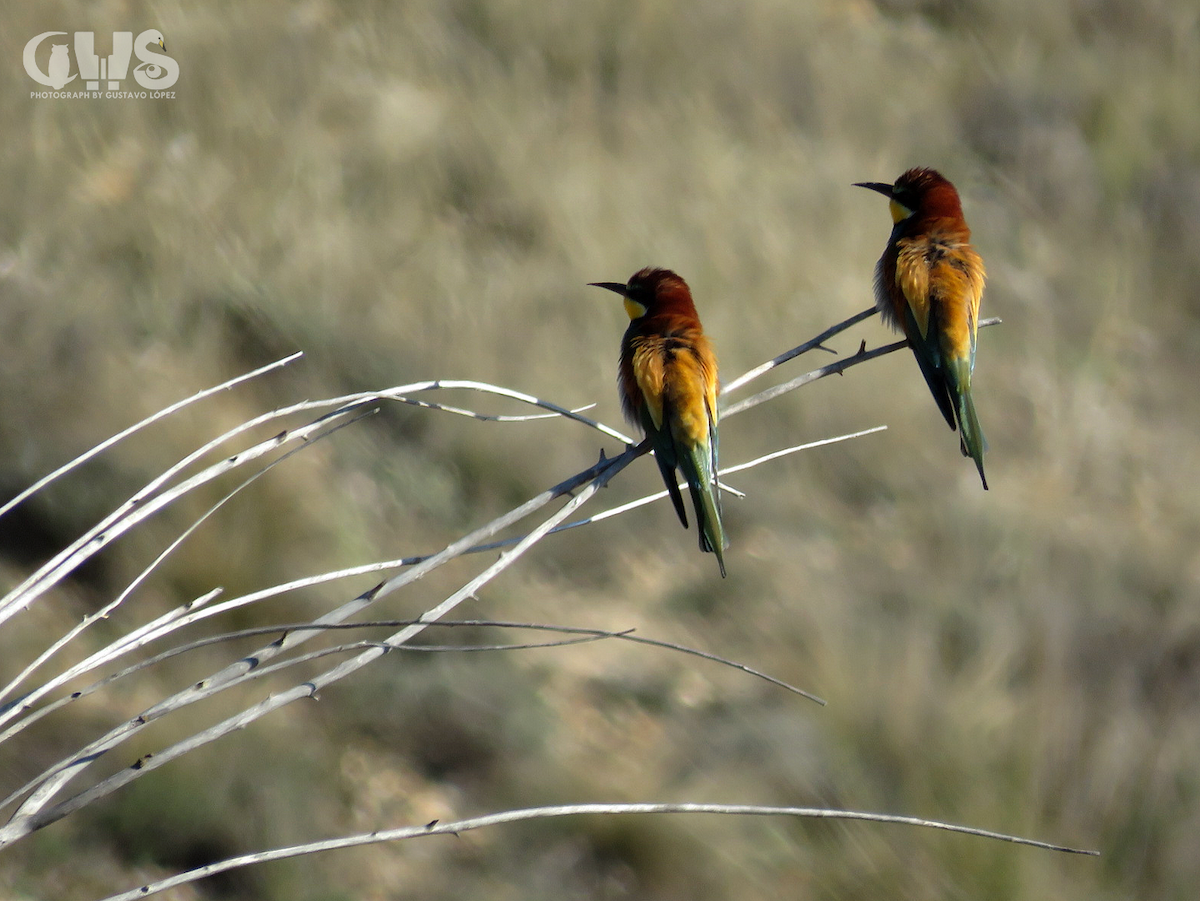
(618, 287)
(888, 191)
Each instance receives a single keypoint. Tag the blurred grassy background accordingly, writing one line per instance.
(422, 189)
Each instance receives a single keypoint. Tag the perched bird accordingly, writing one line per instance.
(928, 284)
(668, 385)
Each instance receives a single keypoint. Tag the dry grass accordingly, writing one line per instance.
(422, 189)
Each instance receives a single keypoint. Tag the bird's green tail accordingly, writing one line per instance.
(974, 445)
(696, 466)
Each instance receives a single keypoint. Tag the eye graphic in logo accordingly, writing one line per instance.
(158, 70)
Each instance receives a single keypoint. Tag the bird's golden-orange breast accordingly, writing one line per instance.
(649, 374)
(912, 279)
(957, 288)
(690, 393)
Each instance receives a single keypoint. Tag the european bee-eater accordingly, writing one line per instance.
(928, 284)
(668, 384)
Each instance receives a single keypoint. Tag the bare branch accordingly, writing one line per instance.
(401, 394)
(136, 427)
(145, 503)
(285, 628)
(567, 810)
(116, 648)
(35, 812)
(811, 344)
(659, 495)
(39, 807)
(840, 366)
